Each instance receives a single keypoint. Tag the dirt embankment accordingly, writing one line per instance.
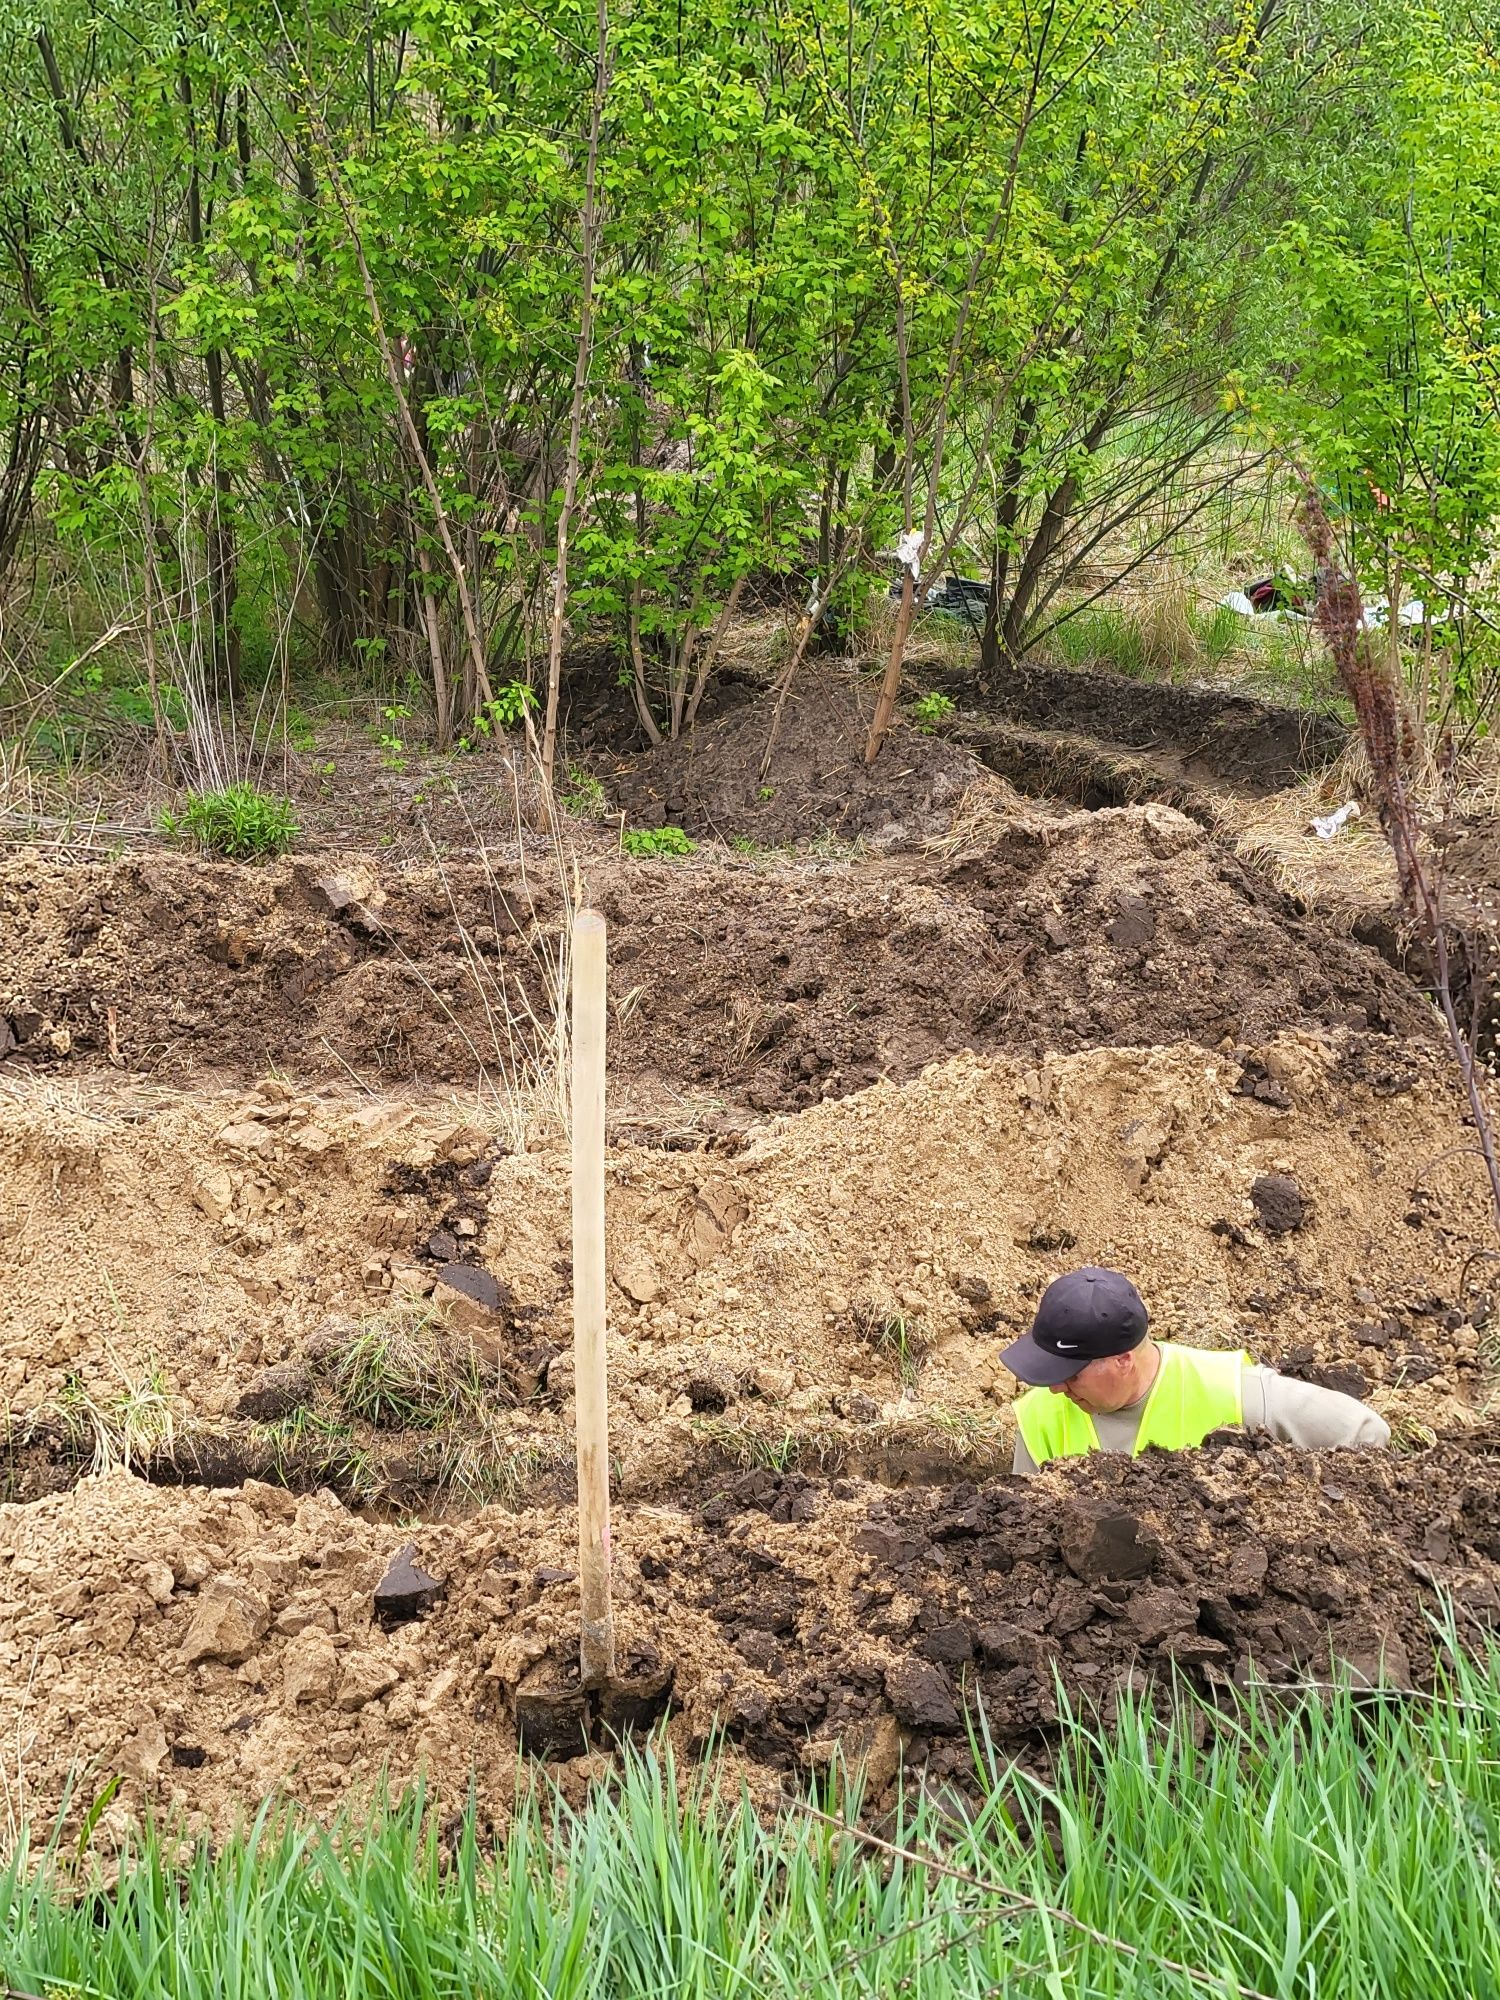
(214, 1648)
(376, 1295)
(764, 984)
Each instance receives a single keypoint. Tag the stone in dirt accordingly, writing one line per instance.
(365, 1678)
(275, 1392)
(310, 1668)
(228, 1624)
(1099, 1542)
(405, 1591)
(1278, 1202)
(922, 1697)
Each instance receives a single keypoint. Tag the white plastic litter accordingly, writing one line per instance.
(1325, 829)
(1378, 616)
(909, 553)
(1237, 601)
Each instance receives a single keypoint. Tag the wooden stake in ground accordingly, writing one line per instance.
(597, 1650)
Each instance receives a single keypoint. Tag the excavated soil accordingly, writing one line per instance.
(210, 1649)
(833, 1293)
(717, 783)
(759, 984)
(284, 1262)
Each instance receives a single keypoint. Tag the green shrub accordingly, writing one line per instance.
(928, 710)
(241, 822)
(657, 843)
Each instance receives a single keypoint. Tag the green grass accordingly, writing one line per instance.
(241, 822)
(1343, 1851)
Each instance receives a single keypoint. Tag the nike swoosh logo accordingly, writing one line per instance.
(1066, 1346)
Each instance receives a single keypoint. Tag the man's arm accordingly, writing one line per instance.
(1305, 1414)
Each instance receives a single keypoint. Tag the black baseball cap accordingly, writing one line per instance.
(1082, 1316)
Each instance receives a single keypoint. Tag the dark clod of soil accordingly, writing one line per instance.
(552, 1722)
(1279, 1204)
(921, 1695)
(1098, 1542)
(475, 1283)
(405, 1591)
(276, 1392)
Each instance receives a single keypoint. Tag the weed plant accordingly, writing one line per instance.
(657, 843)
(1341, 1846)
(239, 822)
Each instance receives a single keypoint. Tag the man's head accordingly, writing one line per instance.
(1086, 1341)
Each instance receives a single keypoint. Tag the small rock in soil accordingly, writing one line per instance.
(365, 1679)
(1278, 1203)
(275, 1392)
(310, 1668)
(228, 1624)
(922, 1697)
(405, 1591)
(1098, 1542)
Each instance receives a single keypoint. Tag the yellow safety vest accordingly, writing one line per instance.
(1194, 1393)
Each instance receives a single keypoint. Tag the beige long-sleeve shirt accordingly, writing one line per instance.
(1300, 1413)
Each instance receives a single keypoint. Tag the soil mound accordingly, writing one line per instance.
(331, 1290)
(210, 1649)
(761, 984)
(716, 783)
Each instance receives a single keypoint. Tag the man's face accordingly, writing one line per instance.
(1104, 1386)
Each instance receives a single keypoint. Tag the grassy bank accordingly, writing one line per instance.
(1343, 1849)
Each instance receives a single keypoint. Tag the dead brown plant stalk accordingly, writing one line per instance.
(1392, 739)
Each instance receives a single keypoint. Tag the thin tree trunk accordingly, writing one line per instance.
(711, 650)
(890, 686)
(638, 685)
(590, 249)
(442, 698)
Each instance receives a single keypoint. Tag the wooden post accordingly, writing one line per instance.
(597, 1648)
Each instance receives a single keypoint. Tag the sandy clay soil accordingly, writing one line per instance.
(285, 1291)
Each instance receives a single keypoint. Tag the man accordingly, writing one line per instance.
(1096, 1382)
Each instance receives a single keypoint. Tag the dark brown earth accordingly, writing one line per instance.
(212, 1647)
(768, 986)
(1216, 737)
